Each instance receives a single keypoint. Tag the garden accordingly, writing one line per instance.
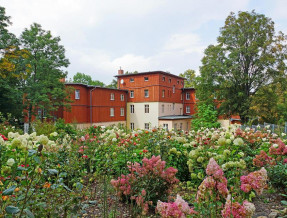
(59, 171)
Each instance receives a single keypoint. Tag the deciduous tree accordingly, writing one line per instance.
(44, 93)
(248, 55)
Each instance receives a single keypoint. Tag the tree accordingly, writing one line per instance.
(44, 93)
(86, 79)
(189, 75)
(12, 69)
(113, 85)
(247, 57)
(205, 117)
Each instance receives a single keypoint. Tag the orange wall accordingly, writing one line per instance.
(155, 85)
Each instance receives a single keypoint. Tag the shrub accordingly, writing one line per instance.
(146, 183)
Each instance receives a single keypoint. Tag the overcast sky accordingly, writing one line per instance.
(137, 35)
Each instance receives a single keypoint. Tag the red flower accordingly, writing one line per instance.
(3, 137)
(145, 151)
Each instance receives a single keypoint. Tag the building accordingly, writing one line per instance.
(157, 99)
(94, 105)
(142, 100)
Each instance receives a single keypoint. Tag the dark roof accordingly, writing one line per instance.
(150, 72)
(189, 88)
(175, 117)
(234, 119)
(97, 87)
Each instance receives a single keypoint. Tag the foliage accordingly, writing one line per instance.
(248, 56)
(205, 117)
(189, 75)
(44, 92)
(278, 176)
(43, 128)
(86, 79)
(137, 185)
(113, 85)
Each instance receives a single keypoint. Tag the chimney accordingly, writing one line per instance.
(63, 80)
(120, 71)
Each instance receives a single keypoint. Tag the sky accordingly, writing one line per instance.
(100, 36)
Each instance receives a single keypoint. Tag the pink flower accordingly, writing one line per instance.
(213, 169)
(256, 180)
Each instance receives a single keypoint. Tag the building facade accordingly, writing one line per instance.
(157, 99)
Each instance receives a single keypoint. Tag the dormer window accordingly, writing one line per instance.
(145, 78)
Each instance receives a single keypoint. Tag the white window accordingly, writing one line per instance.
(122, 97)
(122, 112)
(146, 78)
(162, 108)
(132, 107)
(146, 94)
(132, 80)
(112, 96)
(177, 82)
(146, 125)
(187, 96)
(132, 126)
(173, 89)
(77, 94)
(169, 80)
(112, 112)
(187, 109)
(163, 78)
(146, 108)
(131, 94)
(163, 93)
(165, 126)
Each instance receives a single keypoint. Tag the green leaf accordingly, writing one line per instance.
(79, 186)
(284, 202)
(12, 210)
(53, 171)
(22, 168)
(31, 152)
(29, 213)
(37, 160)
(9, 191)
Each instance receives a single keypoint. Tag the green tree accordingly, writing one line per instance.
(189, 75)
(248, 56)
(86, 79)
(206, 116)
(113, 85)
(12, 69)
(44, 93)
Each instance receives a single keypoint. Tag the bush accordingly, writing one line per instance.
(205, 117)
(44, 128)
(278, 176)
(146, 183)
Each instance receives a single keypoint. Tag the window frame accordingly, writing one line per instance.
(112, 112)
(187, 109)
(146, 108)
(112, 96)
(132, 94)
(187, 96)
(122, 112)
(122, 97)
(146, 126)
(146, 93)
(132, 109)
(132, 126)
(132, 80)
(77, 94)
(146, 78)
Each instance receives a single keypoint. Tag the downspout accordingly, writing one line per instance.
(91, 107)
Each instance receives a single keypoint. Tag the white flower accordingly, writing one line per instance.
(10, 162)
(114, 139)
(238, 141)
(275, 145)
